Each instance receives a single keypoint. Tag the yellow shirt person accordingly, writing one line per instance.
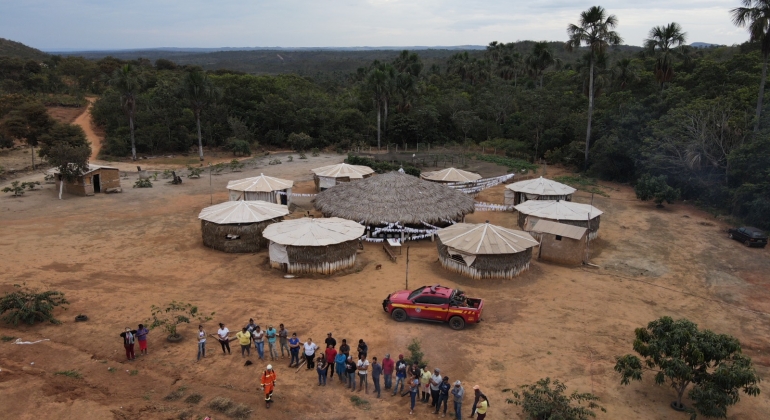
(244, 338)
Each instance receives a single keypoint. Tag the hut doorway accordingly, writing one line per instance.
(97, 184)
(284, 199)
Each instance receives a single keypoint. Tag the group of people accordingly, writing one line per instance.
(413, 380)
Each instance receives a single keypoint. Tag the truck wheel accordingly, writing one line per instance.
(457, 323)
(399, 315)
(747, 243)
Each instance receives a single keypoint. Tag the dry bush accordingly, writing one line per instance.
(221, 404)
(193, 398)
(239, 412)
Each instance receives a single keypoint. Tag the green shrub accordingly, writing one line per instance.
(194, 172)
(302, 156)
(290, 158)
(315, 152)
(142, 183)
(30, 306)
(655, 188)
(540, 401)
(416, 354)
(381, 167)
(239, 147)
(69, 373)
(173, 314)
(236, 166)
(300, 141)
(274, 162)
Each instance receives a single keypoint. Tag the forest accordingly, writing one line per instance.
(614, 112)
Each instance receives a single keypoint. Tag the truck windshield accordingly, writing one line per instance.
(416, 292)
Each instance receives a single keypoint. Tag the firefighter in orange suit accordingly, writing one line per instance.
(268, 384)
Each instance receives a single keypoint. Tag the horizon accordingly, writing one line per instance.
(85, 25)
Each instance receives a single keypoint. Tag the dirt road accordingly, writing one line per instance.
(115, 255)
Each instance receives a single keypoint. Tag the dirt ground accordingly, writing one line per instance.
(116, 255)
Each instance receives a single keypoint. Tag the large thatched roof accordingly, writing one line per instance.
(261, 183)
(541, 186)
(313, 231)
(394, 197)
(485, 239)
(343, 170)
(231, 212)
(450, 175)
(558, 210)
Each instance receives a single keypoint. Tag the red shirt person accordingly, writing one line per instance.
(331, 353)
(388, 365)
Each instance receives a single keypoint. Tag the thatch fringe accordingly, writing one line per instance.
(592, 226)
(319, 259)
(251, 240)
(319, 268)
(519, 197)
(501, 266)
(394, 197)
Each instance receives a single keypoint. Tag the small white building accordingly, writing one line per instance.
(537, 189)
(328, 176)
(261, 188)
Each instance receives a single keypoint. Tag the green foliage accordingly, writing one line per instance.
(142, 183)
(302, 156)
(174, 314)
(682, 355)
(274, 162)
(416, 354)
(166, 174)
(290, 158)
(236, 166)
(583, 183)
(315, 152)
(133, 372)
(31, 306)
(381, 167)
(513, 164)
(16, 188)
(194, 172)
(69, 373)
(239, 147)
(300, 141)
(6, 338)
(359, 402)
(542, 401)
(655, 188)
(217, 169)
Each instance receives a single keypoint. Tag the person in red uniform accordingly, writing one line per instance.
(268, 384)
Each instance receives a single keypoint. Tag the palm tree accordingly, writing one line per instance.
(128, 81)
(200, 93)
(539, 60)
(664, 41)
(756, 15)
(624, 72)
(376, 84)
(595, 30)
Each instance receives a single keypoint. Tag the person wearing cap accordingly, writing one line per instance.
(400, 374)
(435, 382)
(387, 371)
(330, 341)
(223, 335)
(482, 407)
(376, 373)
(283, 338)
(294, 350)
(330, 353)
(458, 392)
(268, 384)
(424, 375)
(129, 336)
(478, 394)
(244, 339)
(443, 395)
(259, 341)
(272, 336)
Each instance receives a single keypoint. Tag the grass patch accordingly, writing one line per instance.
(147, 396)
(111, 369)
(239, 412)
(185, 415)
(133, 372)
(582, 183)
(193, 398)
(360, 402)
(69, 373)
(221, 404)
(7, 338)
(176, 395)
(513, 164)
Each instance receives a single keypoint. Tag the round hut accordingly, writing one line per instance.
(395, 205)
(449, 175)
(328, 176)
(311, 245)
(484, 251)
(537, 189)
(236, 226)
(262, 187)
(566, 212)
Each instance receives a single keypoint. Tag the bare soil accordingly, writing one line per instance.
(115, 255)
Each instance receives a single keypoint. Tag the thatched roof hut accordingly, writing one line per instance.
(262, 187)
(448, 175)
(483, 250)
(395, 198)
(566, 212)
(236, 226)
(329, 176)
(311, 245)
(537, 189)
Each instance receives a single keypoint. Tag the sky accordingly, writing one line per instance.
(52, 25)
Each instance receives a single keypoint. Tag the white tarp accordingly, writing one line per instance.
(509, 197)
(278, 253)
(326, 182)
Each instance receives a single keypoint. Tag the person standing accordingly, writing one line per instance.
(443, 395)
(141, 336)
(345, 348)
(363, 349)
(322, 370)
(330, 341)
(251, 326)
(272, 337)
(350, 370)
(376, 373)
(259, 341)
(201, 342)
(310, 348)
(330, 354)
(244, 339)
(294, 350)
(387, 371)
(223, 335)
(414, 370)
(477, 394)
(340, 362)
(424, 375)
(363, 370)
(268, 384)
(414, 389)
(400, 374)
(435, 381)
(482, 407)
(283, 338)
(458, 392)
(129, 336)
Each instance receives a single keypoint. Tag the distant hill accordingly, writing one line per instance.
(703, 45)
(15, 49)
